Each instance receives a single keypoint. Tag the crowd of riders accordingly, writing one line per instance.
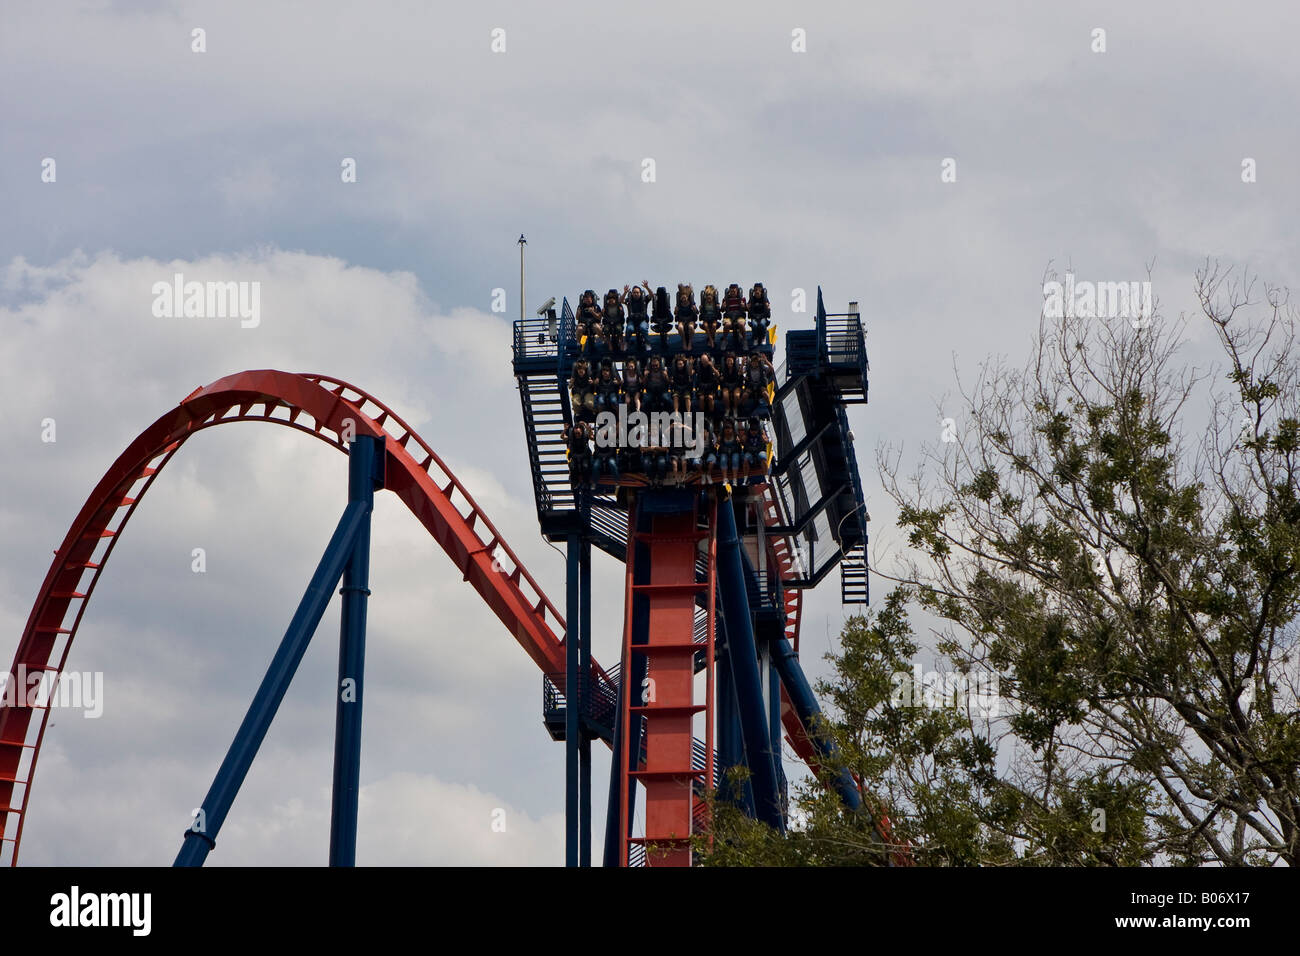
(710, 385)
(623, 322)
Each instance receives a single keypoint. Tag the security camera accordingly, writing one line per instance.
(546, 306)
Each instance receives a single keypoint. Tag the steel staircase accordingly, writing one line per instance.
(544, 408)
(853, 576)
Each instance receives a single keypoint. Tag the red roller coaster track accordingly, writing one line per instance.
(328, 409)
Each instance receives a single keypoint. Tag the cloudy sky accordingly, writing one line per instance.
(791, 168)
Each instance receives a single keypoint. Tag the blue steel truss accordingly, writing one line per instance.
(347, 556)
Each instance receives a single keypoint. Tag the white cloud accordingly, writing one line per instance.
(182, 651)
(792, 169)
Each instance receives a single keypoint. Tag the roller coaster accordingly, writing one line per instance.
(709, 677)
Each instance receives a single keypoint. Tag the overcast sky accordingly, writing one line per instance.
(790, 168)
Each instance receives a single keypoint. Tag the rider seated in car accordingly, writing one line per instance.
(632, 384)
(687, 314)
(655, 459)
(734, 310)
(578, 440)
(760, 313)
(755, 449)
(706, 456)
(607, 389)
(658, 389)
(676, 441)
(582, 389)
(729, 453)
(683, 381)
(605, 464)
(707, 381)
(612, 320)
(638, 322)
(710, 314)
(733, 381)
(587, 319)
(758, 376)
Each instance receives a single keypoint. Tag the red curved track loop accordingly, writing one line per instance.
(325, 408)
(320, 406)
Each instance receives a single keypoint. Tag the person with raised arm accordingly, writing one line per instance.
(637, 304)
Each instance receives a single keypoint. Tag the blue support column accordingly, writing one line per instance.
(614, 806)
(572, 722)
(365, 474)
(776, 733)
(743, 656)
(731, 741)
(202, 835)
(805, 705)
(584, 738)
(774, 702)
(729, 745)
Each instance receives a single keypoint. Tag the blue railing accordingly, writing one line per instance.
(842, 341)
(536, 338)
(546, 342)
